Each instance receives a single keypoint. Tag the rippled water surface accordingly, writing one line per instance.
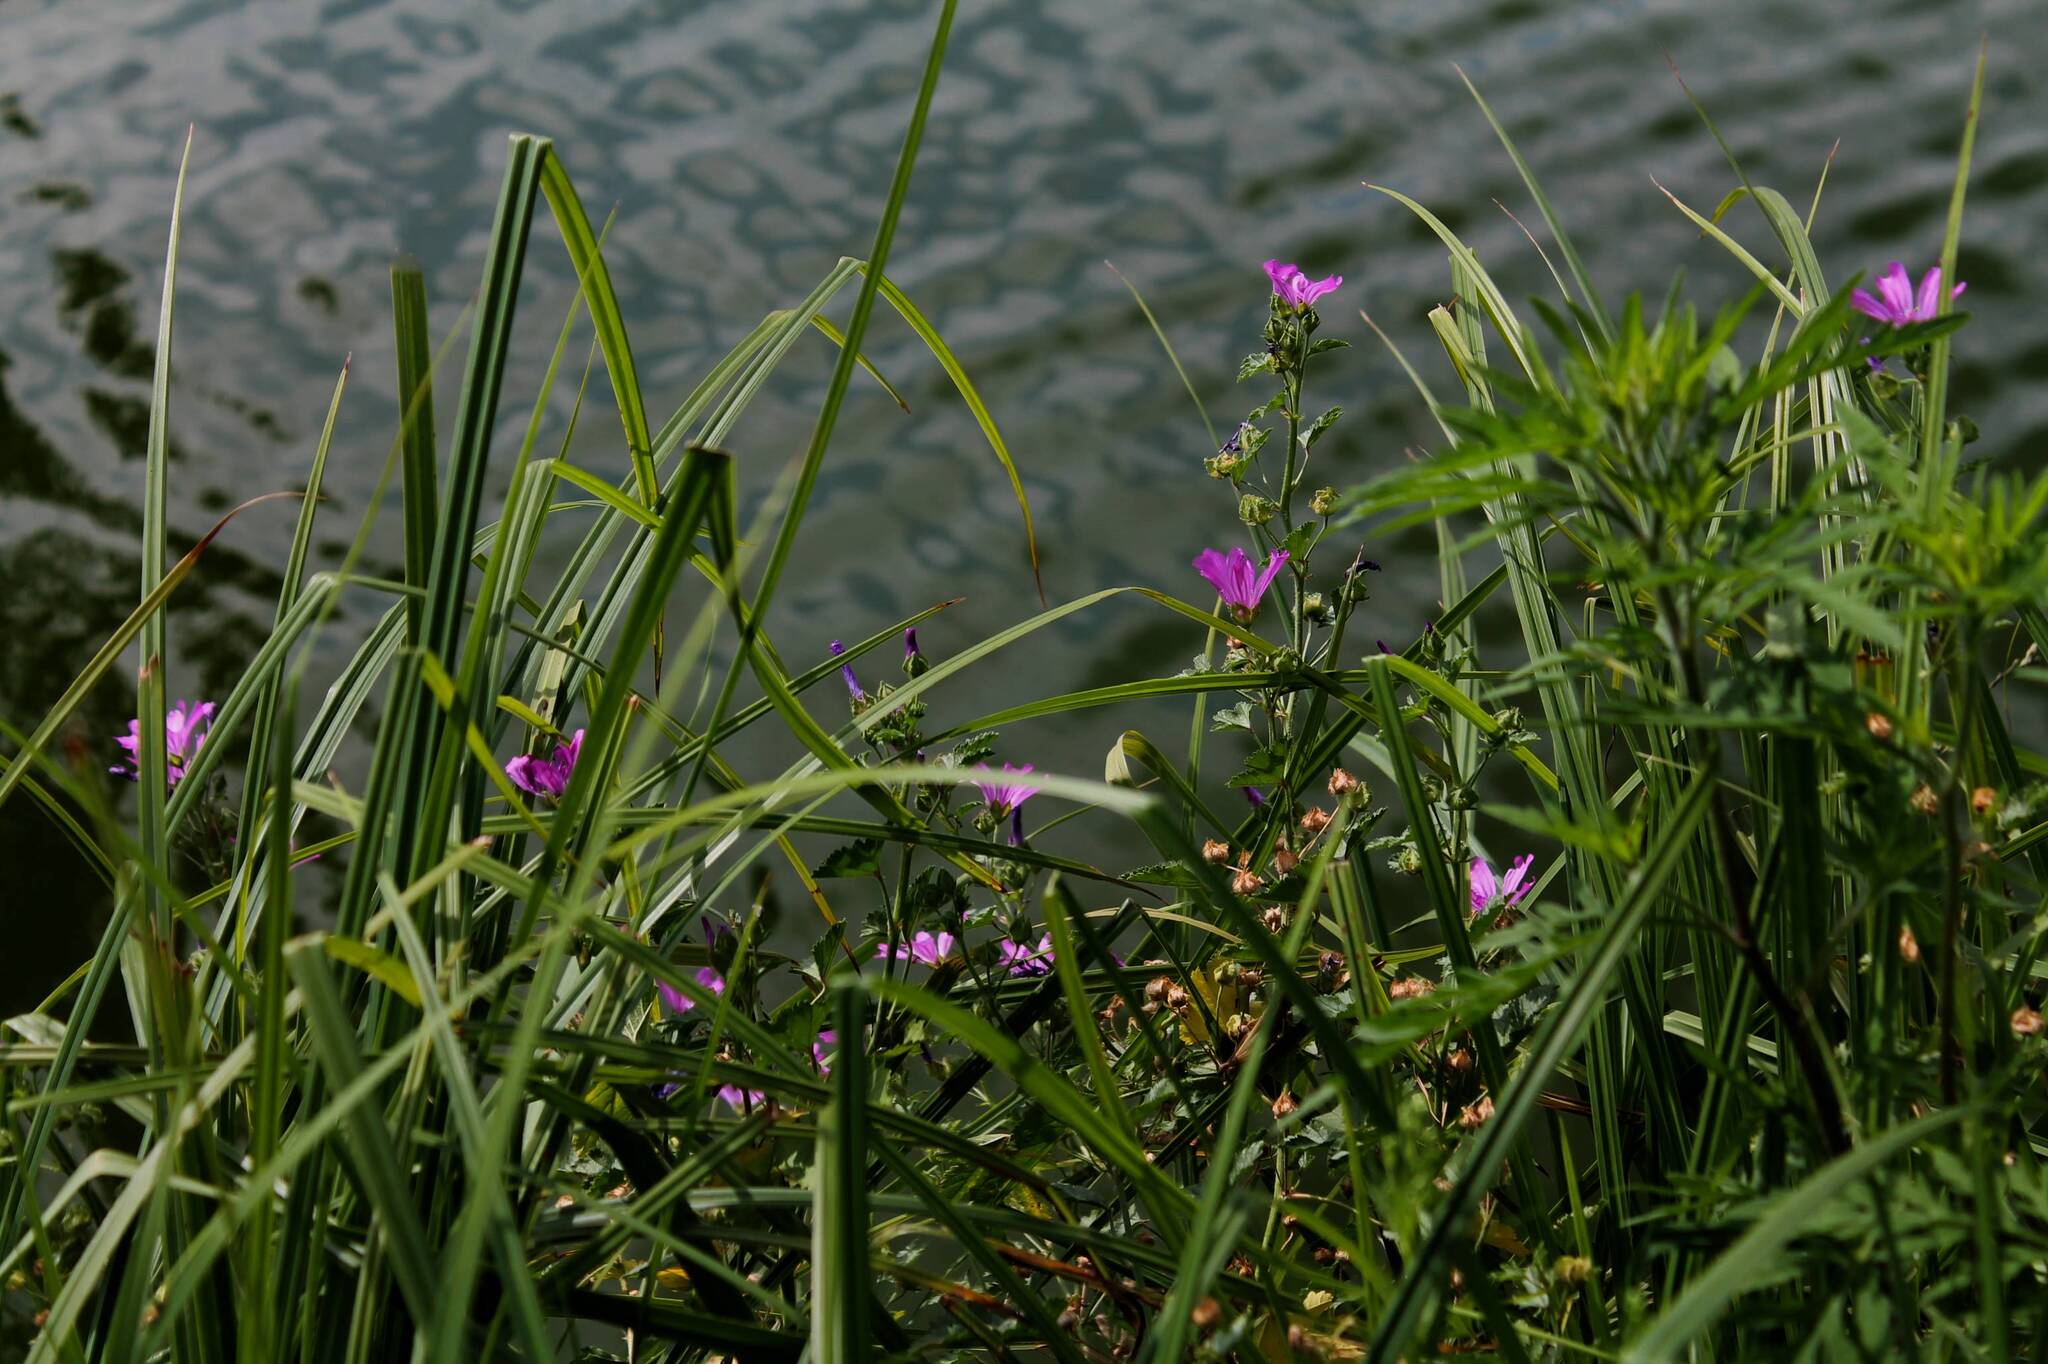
(747, 146)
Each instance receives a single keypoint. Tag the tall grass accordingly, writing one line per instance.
(1747, 1067)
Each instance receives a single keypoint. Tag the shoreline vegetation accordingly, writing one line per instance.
(1658, 981)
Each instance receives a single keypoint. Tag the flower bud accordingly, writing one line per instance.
(1909, 946)
(1572, 1270)
(1324, 502)
(1256, 510)
(1408, 861)
(1316, 608)
(1223, 465)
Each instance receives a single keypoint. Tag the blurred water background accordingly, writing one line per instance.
(747, 145)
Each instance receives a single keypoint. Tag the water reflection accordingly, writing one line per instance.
(748, 144)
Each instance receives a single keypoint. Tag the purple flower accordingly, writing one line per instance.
(1007, 798)
(185, 730)
(1241, 585)
(1511, 887)
(1895, 303)
(827, 1038)
(1296, 289)
(742, 1099)
(853, 691)
(928, 948)
(1021, 959)
(680, 1003)
(1254, 797)
(546, 776)
(1002, 796)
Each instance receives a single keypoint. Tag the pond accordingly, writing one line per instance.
(747, 146)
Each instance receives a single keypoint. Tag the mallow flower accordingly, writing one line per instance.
(185, 729)
(929, 949)
(1021, 959)
(1296, 289)
(680, 1003)
(1896, 302)
(1006, 798)
(742, 1099)
(1512, 886)
(1240, 583)
(546, 775)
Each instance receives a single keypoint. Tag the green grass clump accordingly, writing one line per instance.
(1747, 1066)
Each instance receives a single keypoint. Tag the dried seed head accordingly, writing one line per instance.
(1284, 1105)
(1216, 852)
(1983, 799)
(1909, 946)
(1879, 724)
(1410, 987)
(2025, 1022)
(1176, 997)
(1923, 800)
(1156, 988)
(1342, 783)
(1246, 882)
(1459, 1061)
(1206, 1315)
(1474, 1114)
(1315, 820)
(1274, 918)
(1284, 861)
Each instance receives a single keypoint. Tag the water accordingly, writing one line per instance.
(747, 146)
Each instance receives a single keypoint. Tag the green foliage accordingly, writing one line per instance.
(1746, 1065)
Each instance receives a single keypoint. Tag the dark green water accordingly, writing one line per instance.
(747, 145)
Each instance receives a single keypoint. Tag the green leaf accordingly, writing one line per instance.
(860, 858)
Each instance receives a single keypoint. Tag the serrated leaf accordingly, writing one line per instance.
(1317, 427)
(862, 857)
(1238, 716)
(1262, 768)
